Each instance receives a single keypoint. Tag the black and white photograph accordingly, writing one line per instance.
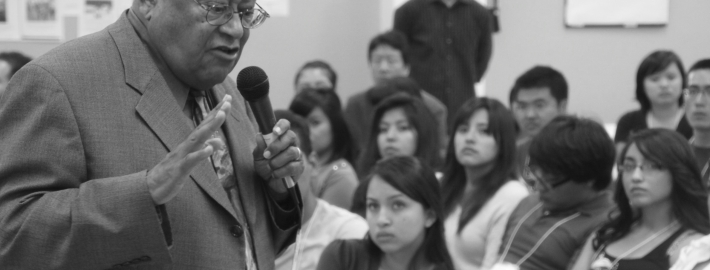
(41, 10)
(98, 9)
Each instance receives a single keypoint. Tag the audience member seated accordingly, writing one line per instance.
(538, 96)
(10, 62)
(479, 187)
(402, 126)
(569, 167)
(316, 74)
(661, 202)
(697, 112)
(321, 222)
(660, 81)
(335, 179)
(405, 217)
(388, 59)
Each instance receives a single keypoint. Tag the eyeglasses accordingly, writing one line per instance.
(533, 179)
(648, 168)
(694, 91)
(220, 14)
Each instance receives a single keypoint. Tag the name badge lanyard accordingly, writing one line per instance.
(539, 242)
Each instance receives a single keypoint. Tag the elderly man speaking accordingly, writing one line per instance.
(131, 148)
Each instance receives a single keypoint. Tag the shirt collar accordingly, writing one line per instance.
(599, 204)
(177, 88)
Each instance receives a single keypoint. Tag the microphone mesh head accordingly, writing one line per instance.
(253, 83)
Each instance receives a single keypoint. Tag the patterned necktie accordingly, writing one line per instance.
(222, 164)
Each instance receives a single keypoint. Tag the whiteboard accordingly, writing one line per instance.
(616, 13)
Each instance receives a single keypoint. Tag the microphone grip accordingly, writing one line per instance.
(266, 121)
(264, 114)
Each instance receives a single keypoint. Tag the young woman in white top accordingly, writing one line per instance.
(480, 189)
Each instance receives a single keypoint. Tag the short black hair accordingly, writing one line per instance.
(575, 148)
(16, 60)
(392, 38)
(332, 76)
(655, 62)
(701, 64)
(299, 125)
(392, 86)
(541, 76)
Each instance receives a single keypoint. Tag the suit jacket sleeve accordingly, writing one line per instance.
(48, 207)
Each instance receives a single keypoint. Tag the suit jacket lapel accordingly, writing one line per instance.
(157, 107)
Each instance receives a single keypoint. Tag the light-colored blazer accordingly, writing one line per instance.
(79, 128)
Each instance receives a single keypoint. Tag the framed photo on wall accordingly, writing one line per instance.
(616, 13)
(9, 20)
(41, 19)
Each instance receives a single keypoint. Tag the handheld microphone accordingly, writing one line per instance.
(253, 84)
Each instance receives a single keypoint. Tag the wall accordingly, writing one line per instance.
(599, 63)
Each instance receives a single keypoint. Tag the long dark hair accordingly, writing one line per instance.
(328, 101)
(416, 180)
(501, 125)
(418, 116)
(689, 196)
(655, 62)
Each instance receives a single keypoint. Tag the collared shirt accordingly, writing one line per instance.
(560, 246)
(449, 47)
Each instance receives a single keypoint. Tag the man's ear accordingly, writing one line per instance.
(406, 70)
(145, 8)
(430, 218)
(562, 107)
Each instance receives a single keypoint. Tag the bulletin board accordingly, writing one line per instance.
(616, 13)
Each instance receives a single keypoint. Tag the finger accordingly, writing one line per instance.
(223, 106)
(285, 157)
(216, 143)
(293, 169)
(280, 144)
(192, 159)
(199, 136)
(281, 127)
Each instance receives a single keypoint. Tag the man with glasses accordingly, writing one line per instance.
(569, 168)
(697, 111)
(538, 96)
(130, 148)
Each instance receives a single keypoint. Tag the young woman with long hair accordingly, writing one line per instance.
(333, 151)
(662, 205)
(479, 184)
(405, 217)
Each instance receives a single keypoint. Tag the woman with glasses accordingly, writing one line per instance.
(662, 205)
(479, 185)
(405, 218)
(660, 81)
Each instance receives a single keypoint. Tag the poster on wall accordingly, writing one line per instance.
(9, 21)
(98, 14)
(40, 19)
(616, 13)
